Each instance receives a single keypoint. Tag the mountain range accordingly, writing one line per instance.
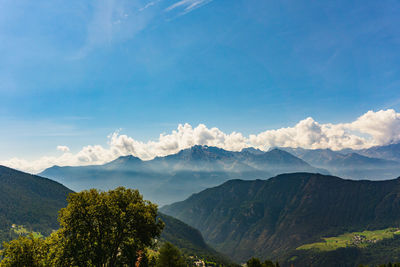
(352, 164)
(172, 178)
(271, 218)
(388, 152)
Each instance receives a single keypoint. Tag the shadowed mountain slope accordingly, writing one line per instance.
(267, 218)
(30, 200)
(188, 239)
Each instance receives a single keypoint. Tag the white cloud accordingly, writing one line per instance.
(115, 21)
(150, 4)
(188, 5)
(383, 126)
(372, 128)
(63, 149)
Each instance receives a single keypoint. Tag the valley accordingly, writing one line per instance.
(236, 203)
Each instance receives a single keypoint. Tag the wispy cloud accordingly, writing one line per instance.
(150, 4)
(115, 21)
(187, 5)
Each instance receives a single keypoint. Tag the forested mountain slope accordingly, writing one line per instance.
(30, 200)
(267, 218)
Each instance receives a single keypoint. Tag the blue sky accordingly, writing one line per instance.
(73, 72)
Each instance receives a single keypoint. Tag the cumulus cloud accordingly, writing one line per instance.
(63, 149)
(371, 129)
(383, 126)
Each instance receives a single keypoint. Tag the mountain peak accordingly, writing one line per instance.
(124, 160)
(202, 152)
(252, 150)
(276, 150)
(280, 152)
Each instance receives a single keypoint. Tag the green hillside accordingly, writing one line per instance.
(270, 218)
(385, 251)
(356, 239)
(29, 200)
(30, 203)
(188, 240)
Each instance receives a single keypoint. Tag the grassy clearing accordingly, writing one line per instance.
(358, 239)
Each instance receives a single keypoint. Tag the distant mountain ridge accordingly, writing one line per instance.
(272, 217)
(388, 152)
(348, 163)
(175, 177)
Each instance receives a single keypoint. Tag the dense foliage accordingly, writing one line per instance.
(24, 251)
(170, 256)
(256, 262)
(112, 227)
(97, 229)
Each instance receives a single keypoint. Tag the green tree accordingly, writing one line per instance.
(56, 252)
(106, 228)
(254, 262)
(24, 251)
(97, 229)
(170, 256)
(268, 263)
